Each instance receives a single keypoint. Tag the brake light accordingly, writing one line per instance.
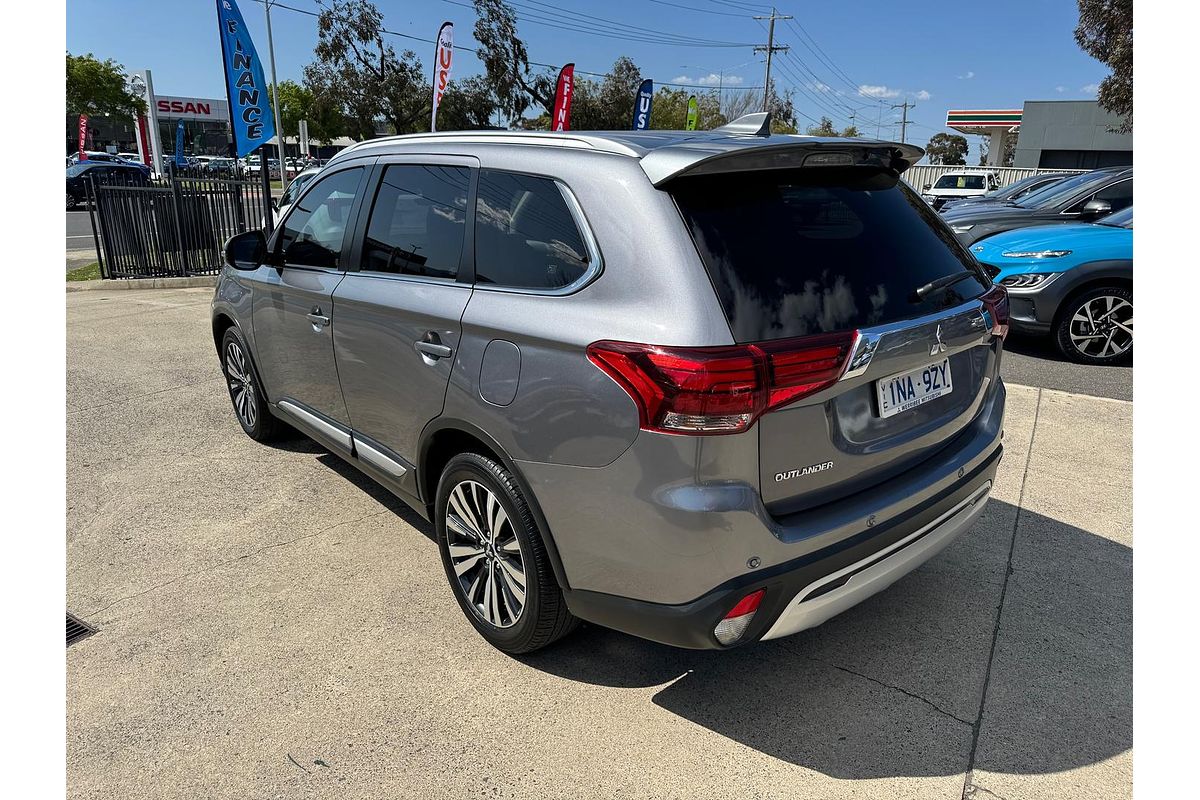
(734, 624)
(712, 390)
(995, 300)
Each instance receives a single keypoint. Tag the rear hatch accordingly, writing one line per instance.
(798, 252)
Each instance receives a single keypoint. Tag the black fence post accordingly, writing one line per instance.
(93, 200)
(177, 203)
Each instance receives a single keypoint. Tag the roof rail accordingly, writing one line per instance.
(756, 124)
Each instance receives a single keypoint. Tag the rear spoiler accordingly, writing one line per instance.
(749, 146)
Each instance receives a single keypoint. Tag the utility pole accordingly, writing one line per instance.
(904, 123)
(266, 166)
(770, 48)
(879, 120)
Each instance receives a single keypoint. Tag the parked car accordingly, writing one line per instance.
(95, 155)
(222, 166)
(703, 388)
(1082, 198)
(288, 198)
(1010, 193)
(105, 171)
(960, 184)
(1071, 282)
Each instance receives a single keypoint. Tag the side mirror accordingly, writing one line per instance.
(927, 187)
(1097, 208)
(275, 203)
(246, 250)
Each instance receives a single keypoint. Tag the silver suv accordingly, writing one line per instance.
(705, 388)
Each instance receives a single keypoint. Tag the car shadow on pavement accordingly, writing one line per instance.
(880, 692)
(1043, 347)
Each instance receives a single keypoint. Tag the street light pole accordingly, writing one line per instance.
(275, 97)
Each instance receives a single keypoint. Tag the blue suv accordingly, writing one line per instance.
(1073, 282)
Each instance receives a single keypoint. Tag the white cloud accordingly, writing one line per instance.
(819, 87)
(966, 77)
(711, 79)
(868, 90)
(1060, 89)
(923, 95)
(1091, 88)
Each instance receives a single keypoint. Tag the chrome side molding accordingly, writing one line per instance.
(315, 422)
(378, 460)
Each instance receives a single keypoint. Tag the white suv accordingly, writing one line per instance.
(960, 184)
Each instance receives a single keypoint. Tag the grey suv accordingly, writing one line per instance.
(706, 388)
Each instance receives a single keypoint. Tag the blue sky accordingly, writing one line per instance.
(939, 55)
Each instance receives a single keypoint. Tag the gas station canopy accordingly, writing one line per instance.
(986, 123)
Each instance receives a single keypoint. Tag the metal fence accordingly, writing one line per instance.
(927, 174)
(173, 226)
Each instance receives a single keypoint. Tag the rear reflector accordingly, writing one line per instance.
(713, 390)
(995, 300)
(731, 628)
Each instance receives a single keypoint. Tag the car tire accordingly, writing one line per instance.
(71, 202)
(1096, 327)
(490, 542)
(245, 390)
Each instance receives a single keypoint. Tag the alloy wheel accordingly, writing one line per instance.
(486, 554)
(70, 201)
(241, 384)
(1102, 327)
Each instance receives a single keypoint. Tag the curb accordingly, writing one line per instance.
(198, 281)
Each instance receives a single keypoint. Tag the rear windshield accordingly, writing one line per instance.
(959, 182)
(797, 252)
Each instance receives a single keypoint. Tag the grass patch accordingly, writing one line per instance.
(89, 273)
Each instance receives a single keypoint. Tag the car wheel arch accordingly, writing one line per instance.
(442, 439)
(1094, 276)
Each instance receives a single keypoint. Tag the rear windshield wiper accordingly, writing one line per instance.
(921, 292)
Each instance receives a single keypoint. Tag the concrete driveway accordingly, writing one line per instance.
(273, 625)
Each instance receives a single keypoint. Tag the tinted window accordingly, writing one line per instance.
(798, 252)
(525, 235)
(419, 221)
(75, 170)
(313, 232)
(1120, 195)
(1055, 194)
(959, 182)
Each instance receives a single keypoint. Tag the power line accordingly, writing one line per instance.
(610, 29)
(700, 10)
(475, 51)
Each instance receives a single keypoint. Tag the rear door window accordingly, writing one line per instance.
(525, 234)
(799, 252)
(419, 221)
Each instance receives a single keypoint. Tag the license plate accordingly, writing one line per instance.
(908, 390)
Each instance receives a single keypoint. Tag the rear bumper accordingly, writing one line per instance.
(805, 592)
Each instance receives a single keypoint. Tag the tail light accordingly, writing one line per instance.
(711, 390)
(995, 300)
(734, 624)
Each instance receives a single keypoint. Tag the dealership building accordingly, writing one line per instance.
(205, 127)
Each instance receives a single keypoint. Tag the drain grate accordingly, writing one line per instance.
(77, 629)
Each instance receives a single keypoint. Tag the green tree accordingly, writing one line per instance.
(669, 112)
(506, 62)
(825, 128)
(1105, 32)
(467, 104)
(97, 87)
(947, 148)
(296, 102)
(361, 75)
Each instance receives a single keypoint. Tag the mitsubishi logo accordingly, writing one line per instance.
(938, 346)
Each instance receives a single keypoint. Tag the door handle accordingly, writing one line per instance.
(317, 319)
(433, 349)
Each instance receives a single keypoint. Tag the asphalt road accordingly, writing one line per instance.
(81, 249)
(1034, 361)
(273, 624)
